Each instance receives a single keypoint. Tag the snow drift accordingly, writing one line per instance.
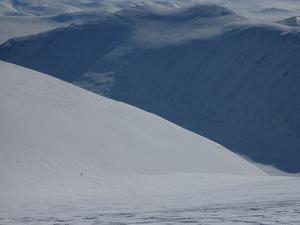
(53, 134)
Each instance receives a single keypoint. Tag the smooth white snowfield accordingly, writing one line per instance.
(68, 156)
(53, 132)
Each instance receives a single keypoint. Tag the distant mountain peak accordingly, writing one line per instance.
(182, 13)
(292, 21)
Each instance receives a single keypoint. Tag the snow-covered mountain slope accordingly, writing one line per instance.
(53, 133)
(292, 21)
(54, 7)
(13, 26)
(21, 24)
(205, 68)
(24, 17)
(68, 156)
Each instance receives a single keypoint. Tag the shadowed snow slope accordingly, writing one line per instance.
(52, 133)
(204, 68)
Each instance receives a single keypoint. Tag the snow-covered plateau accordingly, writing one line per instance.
(68, 156)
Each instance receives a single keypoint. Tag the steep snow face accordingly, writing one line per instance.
(204, 68)
(52, 133)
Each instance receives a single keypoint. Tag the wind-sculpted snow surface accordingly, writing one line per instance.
(205, 68)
